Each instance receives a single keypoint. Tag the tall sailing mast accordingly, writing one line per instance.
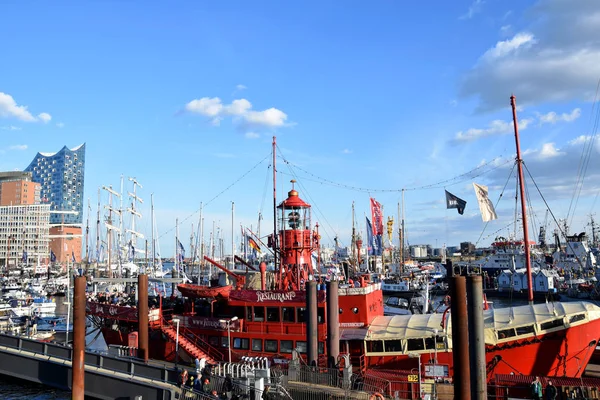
(109, 225)
(87, 236)
(134, 214)
(519, 162)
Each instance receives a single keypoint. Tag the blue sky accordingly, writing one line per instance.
(380, 96)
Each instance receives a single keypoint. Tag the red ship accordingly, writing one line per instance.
(555, 339)
(271, 321)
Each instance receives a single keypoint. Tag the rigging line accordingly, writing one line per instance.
(587, 160)
(530, 208)
(516, 205)
(583, 154)
(497, 202)
(499, 230)
(552, 214)
(217, 195)
(265, 189)
(448, 182)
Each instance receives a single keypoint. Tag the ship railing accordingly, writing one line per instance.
(197, 341)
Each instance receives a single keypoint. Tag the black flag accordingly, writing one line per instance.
(454, 202)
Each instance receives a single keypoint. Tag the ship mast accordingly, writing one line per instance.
(353, 244)
(523, 204)
(277, 269)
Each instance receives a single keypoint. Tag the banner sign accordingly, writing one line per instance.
(209, 323)
(273, 296)
(377, 217)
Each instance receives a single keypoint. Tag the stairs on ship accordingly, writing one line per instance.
(187, 345)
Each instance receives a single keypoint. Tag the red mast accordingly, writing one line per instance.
(274, 241)
(513, 103)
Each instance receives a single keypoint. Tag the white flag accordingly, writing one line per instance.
(485, 205)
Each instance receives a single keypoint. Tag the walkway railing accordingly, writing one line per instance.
(128, 366)
(211, 351)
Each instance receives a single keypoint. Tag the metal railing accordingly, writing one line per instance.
(129, 365)
(197, 341)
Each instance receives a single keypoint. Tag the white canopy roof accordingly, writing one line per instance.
(427, 325)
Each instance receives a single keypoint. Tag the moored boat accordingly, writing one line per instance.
(192, 291)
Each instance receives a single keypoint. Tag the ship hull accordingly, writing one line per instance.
(563, 353)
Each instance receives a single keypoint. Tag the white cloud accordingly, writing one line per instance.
(11, 128)
(579, 140)
(506, 30)
(557, 58)
(241, 87)
(240, 109)
(18, 147)
(453, 103)
(10, 109)
(209, 107)
(44, 117)
(252, 135)
(271, 117)
(505, 47)
(552, 117)
(347, 151)
(495, 128)
(474, 8)
(60, 125)
(548, 151)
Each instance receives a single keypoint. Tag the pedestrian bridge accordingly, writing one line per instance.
(106, 377)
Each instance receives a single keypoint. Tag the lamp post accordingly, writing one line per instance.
(418, 356)
(176, 320)
(228, 322)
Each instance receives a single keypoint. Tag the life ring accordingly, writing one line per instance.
(375, 396)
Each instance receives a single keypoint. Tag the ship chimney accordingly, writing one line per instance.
(263, 275)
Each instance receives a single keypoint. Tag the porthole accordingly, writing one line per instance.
(355, 310)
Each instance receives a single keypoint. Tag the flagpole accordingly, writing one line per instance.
(370, 240)
(402, 239)
(232, 236)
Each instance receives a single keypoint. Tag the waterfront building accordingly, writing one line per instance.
(19, 192)
(24, 234)
(61, 176)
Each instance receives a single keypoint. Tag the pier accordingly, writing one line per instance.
(106, 377)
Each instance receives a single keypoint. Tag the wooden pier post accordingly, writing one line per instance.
(78, 361)
(312, 340)
(460, 338)
(142, 292)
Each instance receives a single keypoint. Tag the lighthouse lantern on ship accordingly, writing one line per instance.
(297, 242)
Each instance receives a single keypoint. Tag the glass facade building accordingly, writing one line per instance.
(61, 176)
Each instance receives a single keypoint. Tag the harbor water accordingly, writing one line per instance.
(14, 389)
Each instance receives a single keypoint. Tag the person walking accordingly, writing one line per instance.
(551, 391)
(536, 389)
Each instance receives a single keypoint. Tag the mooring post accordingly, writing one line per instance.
(460, 338)
(312, 340)
(476, 337)
(78, 361)
(333, 323)
(142, 292)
